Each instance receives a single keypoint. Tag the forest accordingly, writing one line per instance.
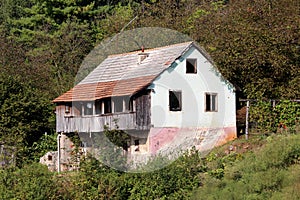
(255, 44)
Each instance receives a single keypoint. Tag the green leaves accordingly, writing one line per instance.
(24, 114)
(253, 44)
(284, 116)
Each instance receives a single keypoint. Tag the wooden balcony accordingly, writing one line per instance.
(96, 123)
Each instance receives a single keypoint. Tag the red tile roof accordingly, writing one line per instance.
(120, 75)
(93, 91)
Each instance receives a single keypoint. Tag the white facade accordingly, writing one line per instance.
(193, 87)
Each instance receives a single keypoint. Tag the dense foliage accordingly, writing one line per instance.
(254, 43)
(24, 115)
(223, 174)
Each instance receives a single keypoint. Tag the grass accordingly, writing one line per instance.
(263, 167)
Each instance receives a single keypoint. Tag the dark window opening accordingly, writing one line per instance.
(175, 100)
(107, 105)
(137, 145)
(88, 108)
(49, 157)
(210, 102)
(98, 107)
(131, 105)
(191, 66)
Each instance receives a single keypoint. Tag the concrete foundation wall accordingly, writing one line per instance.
(166, 141)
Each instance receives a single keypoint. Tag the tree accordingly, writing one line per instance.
(254, 44)
(25, 114)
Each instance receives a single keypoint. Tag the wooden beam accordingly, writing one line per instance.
(102, 107)
(247, 119)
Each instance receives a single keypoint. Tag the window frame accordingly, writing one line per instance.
(191, 62)
(172, 108)
(67, 108)
(87, 110)
(211, 102)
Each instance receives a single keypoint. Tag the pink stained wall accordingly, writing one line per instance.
(170, 140)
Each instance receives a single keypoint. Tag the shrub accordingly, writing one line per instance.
(31, 182)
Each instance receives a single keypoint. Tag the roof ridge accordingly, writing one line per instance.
(148, 50)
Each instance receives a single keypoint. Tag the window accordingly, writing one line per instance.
(98, 107)
(126, 103)
(67, 108)
(175, 100)
(137, 145)
(211, 102)
(191, 66)
(118, 104)
(107, 105)
(88, 108)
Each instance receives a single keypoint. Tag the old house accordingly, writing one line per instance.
(168, 98)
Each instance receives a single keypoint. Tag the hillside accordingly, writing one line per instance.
(254, 44)
(263, 167)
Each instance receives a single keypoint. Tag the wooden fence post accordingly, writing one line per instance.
(247, 119)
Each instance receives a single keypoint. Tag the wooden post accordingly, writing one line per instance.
(102, 107)
(94, 108)
(247, 119)
(124, 105)
(133, 105)
(112, 105)
(58, 153)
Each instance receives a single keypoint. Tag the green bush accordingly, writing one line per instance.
(284, 116)
(30, 182)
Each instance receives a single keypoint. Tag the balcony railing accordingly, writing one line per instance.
(96, 123)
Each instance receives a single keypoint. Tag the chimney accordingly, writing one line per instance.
(142, 56)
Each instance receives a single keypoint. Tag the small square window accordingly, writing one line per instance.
(191, 66)
(136, 142)
(211, 102)
(67, 108)
(175, 102)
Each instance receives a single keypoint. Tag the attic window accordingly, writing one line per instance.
(191, 66)
(211, 102)
(175, 102)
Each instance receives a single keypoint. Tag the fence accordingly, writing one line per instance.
(269, 115)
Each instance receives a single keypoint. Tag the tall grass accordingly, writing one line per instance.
(271, 172)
